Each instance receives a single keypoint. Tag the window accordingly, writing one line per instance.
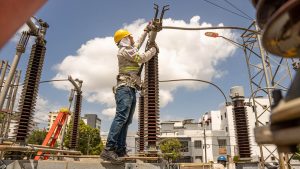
(221, 117)
(272, 158)
(224, 114)
(185, 146)
(198, 158)
(226, 129)
(222, 143)
(198, 144)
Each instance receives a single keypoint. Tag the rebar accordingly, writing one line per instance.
(76, 118)
(30, 91)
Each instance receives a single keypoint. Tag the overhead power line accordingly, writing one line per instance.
(228, 10)
(235, 7)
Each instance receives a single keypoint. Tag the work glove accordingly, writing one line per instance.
(155, 46)
(149, 27)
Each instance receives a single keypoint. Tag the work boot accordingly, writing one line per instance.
(110, 155)
(122, 152)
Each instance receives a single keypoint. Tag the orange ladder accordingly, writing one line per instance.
(54, 132)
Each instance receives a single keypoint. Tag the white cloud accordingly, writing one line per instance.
(43, 107)
(183, 54)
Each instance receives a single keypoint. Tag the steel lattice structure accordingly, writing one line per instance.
(266, 72)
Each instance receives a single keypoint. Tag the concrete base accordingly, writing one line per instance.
(92, 164)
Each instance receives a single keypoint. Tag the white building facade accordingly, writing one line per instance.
(217, 129)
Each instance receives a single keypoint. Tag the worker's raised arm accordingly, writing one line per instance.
(133, 55)
(141, 40)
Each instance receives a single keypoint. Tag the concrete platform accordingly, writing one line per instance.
(87, 164)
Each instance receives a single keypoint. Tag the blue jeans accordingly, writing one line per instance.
(125, 100)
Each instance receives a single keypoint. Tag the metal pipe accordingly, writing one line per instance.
(209, 28)
(3, 71)
(13, 100)
(78, 88)
(34, 149)
(33, 28)
(9, 78)
(20, 49)
(8, 106)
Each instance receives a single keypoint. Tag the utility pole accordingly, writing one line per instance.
(205, 153)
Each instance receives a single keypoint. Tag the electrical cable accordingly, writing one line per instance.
(210, 28)
(227, 9)
(45, 81)
(231, 4)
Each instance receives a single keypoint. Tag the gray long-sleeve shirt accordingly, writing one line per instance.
(129, 58)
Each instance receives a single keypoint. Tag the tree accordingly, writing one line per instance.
(170, 148)
(89, 141)
(37, 137)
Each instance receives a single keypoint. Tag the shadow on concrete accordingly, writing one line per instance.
(109, 165)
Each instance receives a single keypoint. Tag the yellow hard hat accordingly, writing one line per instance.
(120, 34)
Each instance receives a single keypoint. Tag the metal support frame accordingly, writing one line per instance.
(265, 72)
(9, 105)
(76, 112)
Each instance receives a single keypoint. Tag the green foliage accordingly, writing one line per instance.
(37, 137)
(89, 141)
(171, 149)
(236, 159)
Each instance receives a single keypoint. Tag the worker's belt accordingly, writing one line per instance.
(126, 80)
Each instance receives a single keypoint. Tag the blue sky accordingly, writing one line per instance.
(74, 23)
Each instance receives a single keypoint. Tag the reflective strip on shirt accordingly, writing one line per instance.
(137, 58)
(129, 68)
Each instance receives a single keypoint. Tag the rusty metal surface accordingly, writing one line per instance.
(30, 91)
(75, 124)
(242, 130)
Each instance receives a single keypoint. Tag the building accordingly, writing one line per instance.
(217, 129)
(201, 141)
(13, 126)
(92, 120)
(51, 118)
(131, 141)
(227, 123)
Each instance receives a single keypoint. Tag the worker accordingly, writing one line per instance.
(222, 160)
(128, 82)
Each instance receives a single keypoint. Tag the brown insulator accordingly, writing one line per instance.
(151, 103)
(242, 130)
(75, 120)
(141, 132)
(30, 91)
